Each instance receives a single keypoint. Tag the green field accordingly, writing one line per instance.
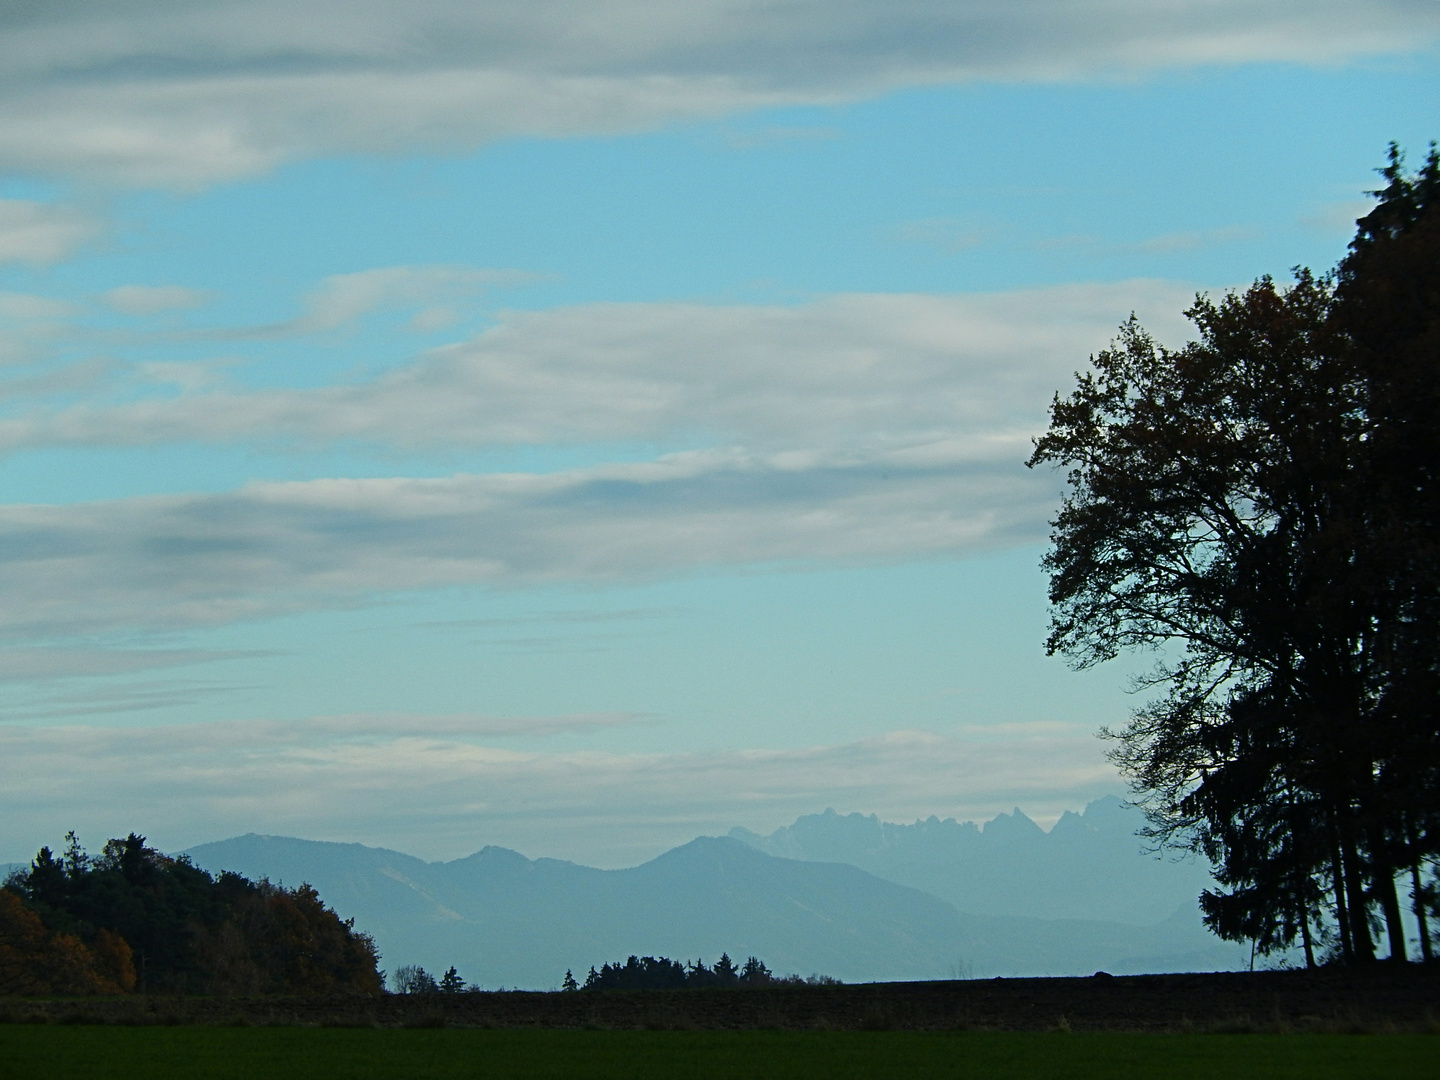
(157, 1053)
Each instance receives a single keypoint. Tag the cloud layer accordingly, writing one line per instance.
(442, 787)
(42, 233)
(189, 92)
(853, 429)
(853, 371)
(269, 548)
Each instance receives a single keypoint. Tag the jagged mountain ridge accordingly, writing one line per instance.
(503, 919)
(1090, 865)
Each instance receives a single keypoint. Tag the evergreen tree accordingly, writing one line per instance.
(754, 973)
(451, 982)
(725, 971)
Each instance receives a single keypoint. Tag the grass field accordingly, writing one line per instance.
(159, 1053)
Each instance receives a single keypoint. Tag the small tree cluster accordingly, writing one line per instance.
(662, 973)
(414, 979)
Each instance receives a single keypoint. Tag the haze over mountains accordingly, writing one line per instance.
(790, 898)
(1091, 865)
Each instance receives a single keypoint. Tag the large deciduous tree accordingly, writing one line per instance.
(1259, 509)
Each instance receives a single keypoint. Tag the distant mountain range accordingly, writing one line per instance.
(505, 920)
(1088, 866)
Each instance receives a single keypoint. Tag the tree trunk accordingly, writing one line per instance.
(1417, 899)
(1342, 912)
(1382, 885)
(1305, 937)
(1359, 905)
(1390, 905)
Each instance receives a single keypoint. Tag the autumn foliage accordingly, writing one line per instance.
(35, 961)
(135, 919)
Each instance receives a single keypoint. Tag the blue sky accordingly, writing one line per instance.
(579, 427)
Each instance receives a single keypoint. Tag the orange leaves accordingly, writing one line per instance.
(35, 961)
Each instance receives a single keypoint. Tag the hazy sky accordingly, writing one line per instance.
(579, 426)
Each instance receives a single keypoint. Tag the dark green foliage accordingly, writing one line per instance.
(639, 973)
(194, 933)
(724, 973)
(451, 982)
(660, 973)
(754, 973)
(1262, 509)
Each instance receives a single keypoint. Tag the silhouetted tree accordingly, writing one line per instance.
(451, 982)
(1260, 508)
(414, 979)
(1388, 305)
(661, 973)
(725, 971)
(569, 982)
(754, 973)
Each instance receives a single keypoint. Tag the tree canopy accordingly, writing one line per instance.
(1258, 509)
(137, 919)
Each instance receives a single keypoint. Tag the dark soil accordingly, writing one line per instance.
(1380, 998)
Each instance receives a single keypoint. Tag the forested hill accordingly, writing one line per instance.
(506, 920)
(133, 918)
(1087, 866)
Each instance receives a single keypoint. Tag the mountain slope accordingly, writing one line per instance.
(503, 919)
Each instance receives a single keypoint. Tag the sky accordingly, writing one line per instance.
(583, 426)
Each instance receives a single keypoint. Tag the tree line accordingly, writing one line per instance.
(1260, 512)
(133, 919)
(662, 973)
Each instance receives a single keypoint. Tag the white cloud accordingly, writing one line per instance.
(343, 298)
(35, 232)
(435, 788)
(850, 371)
(268, 548)
(154, 299)
(853, 429)
(64, 381)
(30, 328)
(27, 306)
(440, 292)
(186, 93)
